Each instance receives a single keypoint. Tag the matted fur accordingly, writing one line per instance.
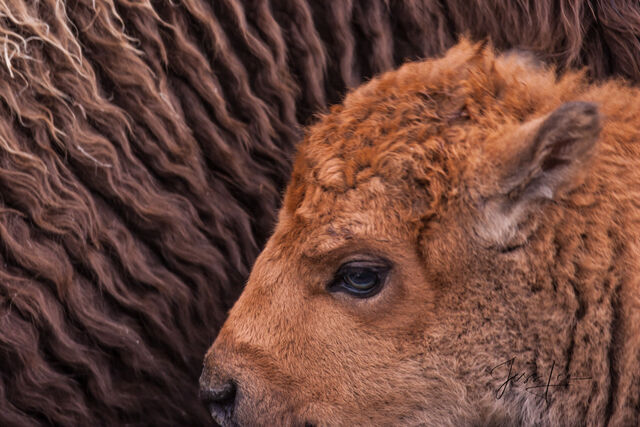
(143, 148)
(502, 202)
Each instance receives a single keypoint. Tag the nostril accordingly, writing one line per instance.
(220, 400)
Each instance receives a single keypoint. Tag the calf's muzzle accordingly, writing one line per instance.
(219, 397)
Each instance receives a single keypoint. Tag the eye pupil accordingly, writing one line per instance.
(361, 279)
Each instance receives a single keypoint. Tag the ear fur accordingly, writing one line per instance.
(549, 154)
(555, 148)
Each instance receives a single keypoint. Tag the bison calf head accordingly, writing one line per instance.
(420, 257)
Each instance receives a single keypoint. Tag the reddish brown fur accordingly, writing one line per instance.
(510, 215)
(143, 149)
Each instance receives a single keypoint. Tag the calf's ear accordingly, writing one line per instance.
(554, 149)
(544, 156)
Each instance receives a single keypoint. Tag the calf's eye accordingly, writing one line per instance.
(360, 279)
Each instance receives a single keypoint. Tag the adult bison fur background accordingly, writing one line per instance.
(143, 148)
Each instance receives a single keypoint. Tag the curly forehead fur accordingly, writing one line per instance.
(412, 128)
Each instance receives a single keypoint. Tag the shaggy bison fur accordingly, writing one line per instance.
(143, 148)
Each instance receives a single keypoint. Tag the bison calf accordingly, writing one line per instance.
(459, 245)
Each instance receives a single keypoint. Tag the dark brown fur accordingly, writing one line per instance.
(143, 148)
